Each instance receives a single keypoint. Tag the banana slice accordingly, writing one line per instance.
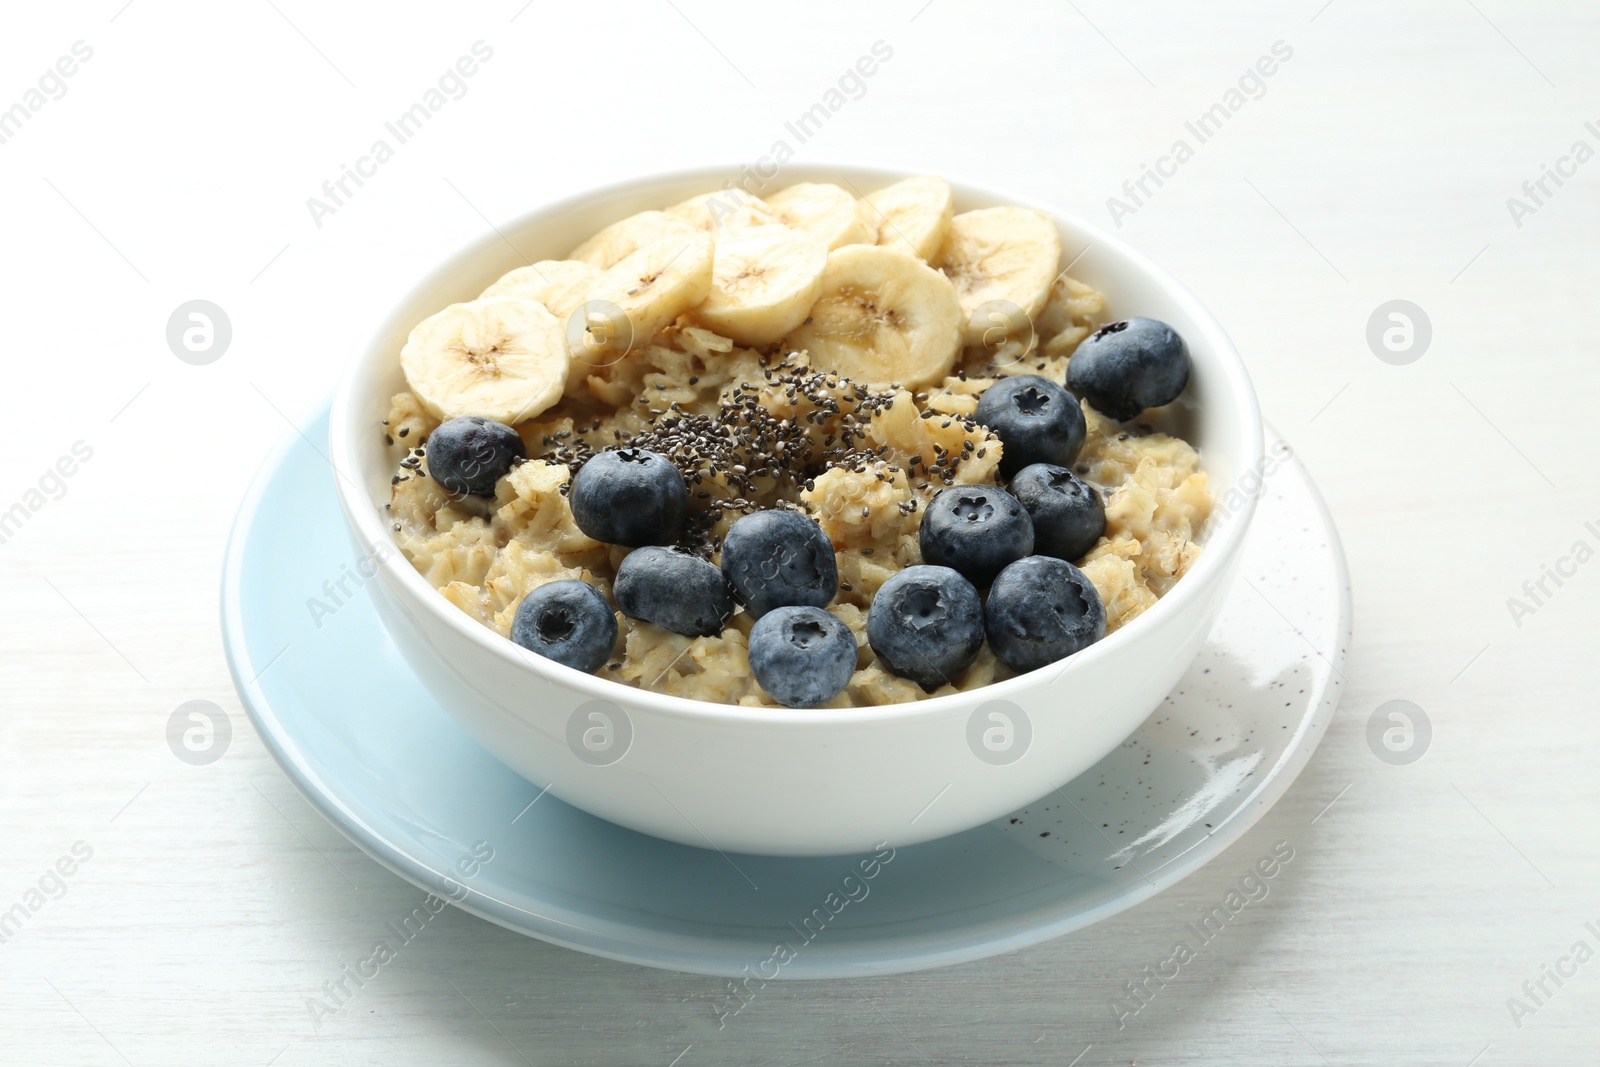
(559, 284)
(1001, 259)
(633, 300)
(500, 357)
(724, 211)
(884, 317)
(621, 239)
(830, 213)
(912, 215)
(763, 282)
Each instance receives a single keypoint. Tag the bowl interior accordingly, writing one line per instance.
(1217, 413)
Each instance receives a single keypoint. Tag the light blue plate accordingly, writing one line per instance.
(387, 765)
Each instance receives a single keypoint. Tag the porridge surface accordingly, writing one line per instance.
(748, 427)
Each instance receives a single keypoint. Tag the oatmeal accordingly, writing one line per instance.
(757, 427)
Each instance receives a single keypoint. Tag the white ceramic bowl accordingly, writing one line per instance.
(781, 781)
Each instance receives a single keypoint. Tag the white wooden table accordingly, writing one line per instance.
(175, 163)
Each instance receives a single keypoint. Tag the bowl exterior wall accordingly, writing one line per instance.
(784, 782)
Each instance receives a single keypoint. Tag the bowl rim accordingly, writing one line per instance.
(1222, 543)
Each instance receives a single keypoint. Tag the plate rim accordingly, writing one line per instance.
(672, 950)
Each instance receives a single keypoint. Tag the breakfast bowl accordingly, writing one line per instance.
(781, 780)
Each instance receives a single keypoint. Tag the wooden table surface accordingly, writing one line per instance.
(1385, 158)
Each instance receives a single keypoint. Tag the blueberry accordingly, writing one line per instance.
(1040, 610)
(676, 592)
(469, 454)
(1067, 512)
(802, 656)
(776, 559)
(1036, 420)
(1124, 367)
(630, 496)
(568, 621)
(977, 530)
(926, 624)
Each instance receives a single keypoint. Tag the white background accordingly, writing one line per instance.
(1377, 166)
